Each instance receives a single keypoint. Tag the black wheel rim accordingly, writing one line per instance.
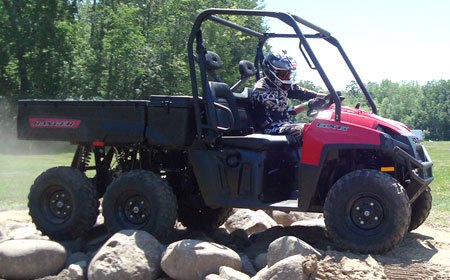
(57, 204)
(133, 209)
(366, 212)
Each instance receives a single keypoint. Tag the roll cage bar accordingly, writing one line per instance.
(291, 20)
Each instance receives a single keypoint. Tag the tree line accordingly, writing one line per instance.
(128, 49)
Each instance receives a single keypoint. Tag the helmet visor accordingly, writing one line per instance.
(283, 74)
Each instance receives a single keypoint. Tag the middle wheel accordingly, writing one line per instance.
(140, 199)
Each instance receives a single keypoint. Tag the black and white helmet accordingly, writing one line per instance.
(278, 69)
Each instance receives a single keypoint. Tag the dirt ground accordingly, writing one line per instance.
(423, 254)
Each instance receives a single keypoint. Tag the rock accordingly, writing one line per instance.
(315, 236)
(287, 246)
(128, 254)
(282, 218)
(310, 266)
(260, 261)
(310, 223)
(63, 275)
(194, 259)
(338, 265)
(76, 272)
(250, 221)
(287, 269)
(231, 274)
(247, 266)
(30, 259)
(288, 218)
(27, 231)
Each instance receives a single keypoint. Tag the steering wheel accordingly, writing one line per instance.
(328, 102)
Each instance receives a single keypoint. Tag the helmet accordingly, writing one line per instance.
(278, 70)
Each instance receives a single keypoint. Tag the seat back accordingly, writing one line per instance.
(238, 105)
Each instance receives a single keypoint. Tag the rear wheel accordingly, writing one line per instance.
(63, 203)
(140, 200)
(420, 209)
(367, 211)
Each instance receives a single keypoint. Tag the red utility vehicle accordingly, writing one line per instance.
(193, 158)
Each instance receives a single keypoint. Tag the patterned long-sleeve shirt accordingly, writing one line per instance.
(270, 103)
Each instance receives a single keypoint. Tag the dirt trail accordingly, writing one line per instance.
(424, 254)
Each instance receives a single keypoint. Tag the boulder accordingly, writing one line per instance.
(30, 259)
(290, 268)
(250, 221)
(287, 246)
(194, 259)
(232, 274)
(128, 254)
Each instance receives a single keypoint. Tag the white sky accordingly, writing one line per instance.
(399, 40)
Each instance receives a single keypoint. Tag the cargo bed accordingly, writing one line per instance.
(108, 122)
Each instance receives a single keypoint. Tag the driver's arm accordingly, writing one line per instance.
(302, 107)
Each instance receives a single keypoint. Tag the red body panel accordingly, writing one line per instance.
(356, 127)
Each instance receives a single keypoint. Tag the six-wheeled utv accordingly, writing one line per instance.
(195, 157)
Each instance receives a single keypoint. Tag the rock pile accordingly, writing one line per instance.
(256, 245)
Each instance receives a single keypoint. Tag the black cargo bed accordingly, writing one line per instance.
(161, 120)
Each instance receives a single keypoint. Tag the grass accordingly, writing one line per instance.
(17, 173)
(440, 187)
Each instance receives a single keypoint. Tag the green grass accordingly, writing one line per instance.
(440, 187)
(17, 173)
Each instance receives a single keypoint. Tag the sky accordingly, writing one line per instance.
(398, 40)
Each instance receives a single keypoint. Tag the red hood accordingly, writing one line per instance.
(362, 118)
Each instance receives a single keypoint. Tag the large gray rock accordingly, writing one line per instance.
(128, 254)
(287, 246)
(287, 269)
(250, 221)
(194, 259)
(30, 259)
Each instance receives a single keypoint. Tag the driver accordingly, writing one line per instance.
(270, 98)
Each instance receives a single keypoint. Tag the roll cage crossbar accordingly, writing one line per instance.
(291, 20)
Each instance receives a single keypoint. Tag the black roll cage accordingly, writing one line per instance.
(289, 19)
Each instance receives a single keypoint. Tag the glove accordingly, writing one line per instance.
(316, 103)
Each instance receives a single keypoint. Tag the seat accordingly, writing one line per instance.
(222, 94)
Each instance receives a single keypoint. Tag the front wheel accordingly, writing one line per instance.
(141, 200)
(367, 211)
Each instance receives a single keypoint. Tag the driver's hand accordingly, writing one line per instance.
(316, 103)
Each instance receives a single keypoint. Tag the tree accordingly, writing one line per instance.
(435, 109)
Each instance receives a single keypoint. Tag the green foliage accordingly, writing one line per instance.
(133, 48)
